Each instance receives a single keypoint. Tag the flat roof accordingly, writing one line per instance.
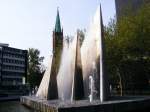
(4, 44)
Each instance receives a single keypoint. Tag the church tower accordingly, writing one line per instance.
(57, 51)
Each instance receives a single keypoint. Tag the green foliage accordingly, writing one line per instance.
(128, 49)
(35, 70)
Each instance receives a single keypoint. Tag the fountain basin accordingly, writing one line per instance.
(120, 104)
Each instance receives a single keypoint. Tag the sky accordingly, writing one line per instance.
(29, 23)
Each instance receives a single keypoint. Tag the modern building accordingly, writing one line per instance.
(13, 65)
(134, 5)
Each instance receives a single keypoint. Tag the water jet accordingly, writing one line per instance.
(65, 84)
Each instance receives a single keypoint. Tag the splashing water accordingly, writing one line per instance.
(43, 88)
(66, 71)
(91, 51)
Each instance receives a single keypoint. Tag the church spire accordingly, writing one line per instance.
(57, 24)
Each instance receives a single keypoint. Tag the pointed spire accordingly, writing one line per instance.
(57, 24)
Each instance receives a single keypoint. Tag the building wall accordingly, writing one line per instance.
(0, 63)
(13, 65)
(122, 5)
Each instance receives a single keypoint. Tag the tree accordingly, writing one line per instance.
(68, 39)
(128, 50)
(35, 67)
(81, 34)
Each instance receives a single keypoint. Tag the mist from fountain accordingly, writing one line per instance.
(43, 88)
(66, 71)
(92, 84)
(91, 51)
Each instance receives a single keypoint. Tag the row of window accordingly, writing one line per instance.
(11, 77)
(13, 61)
(8, 81)
(14, 55)
(13, 67)
(12, 50)
(12, 80)
(7, 72)
(12, 74)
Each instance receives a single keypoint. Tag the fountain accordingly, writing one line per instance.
(92, 84)
(76, 64)
(92, 88)
(75, 80)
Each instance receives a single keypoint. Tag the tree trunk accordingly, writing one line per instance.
(120, 82)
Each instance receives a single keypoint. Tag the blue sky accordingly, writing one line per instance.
(29, 23)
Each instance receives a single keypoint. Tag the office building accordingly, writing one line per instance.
(13, 65)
